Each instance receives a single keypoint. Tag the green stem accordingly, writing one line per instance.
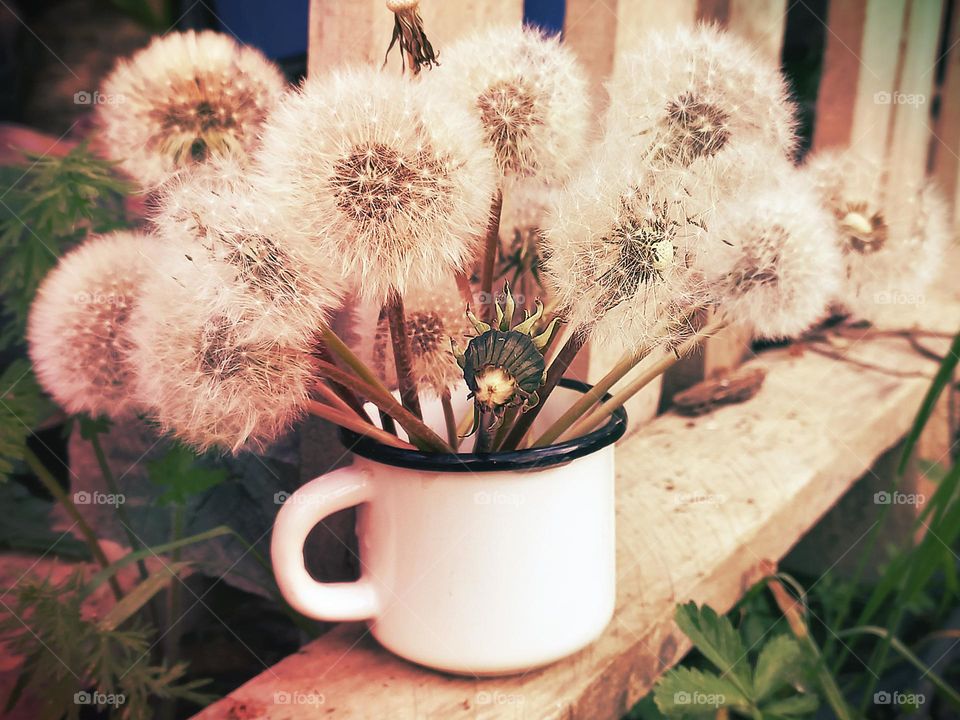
(111, 483)
(171, 641)
(53, 487)
(952, 695)
(402, 354)
(558, 367)
(450, 420)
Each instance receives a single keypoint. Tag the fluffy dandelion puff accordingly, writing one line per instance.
(285, 279)
(79, 325)
(434, 316)
(184, 98)
(773, 263)
(520, 259)
(397, 179)
(621, 248)
(691, 94)
(892, 248)
(208, 376)
(530, 94)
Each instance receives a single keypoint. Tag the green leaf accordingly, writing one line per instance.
(141, 595)
(943, 378)
(22, 406)
(793, 706)
(182, 477)
(716, 638)
(683, 692)
(777, 664)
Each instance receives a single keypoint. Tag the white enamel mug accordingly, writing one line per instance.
(479, 565)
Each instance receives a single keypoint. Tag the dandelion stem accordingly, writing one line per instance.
(485, 431)
(324, 353)
(591, 421)
(347, 420)
(420, 434)
(332, 398)
(53, 487)
(463, 285)
(558, 367)
(491, 246)
(402, 355)
(450, 420)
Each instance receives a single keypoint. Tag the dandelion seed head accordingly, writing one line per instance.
(184, 99)
(210, 375)
(530, 94)
(78, 328)
(398, 181)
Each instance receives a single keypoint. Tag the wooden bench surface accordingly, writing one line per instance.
(703, 505)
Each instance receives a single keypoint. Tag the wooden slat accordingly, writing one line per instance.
(690, 525)
(946, 146)
(912, 125)
(860, 61)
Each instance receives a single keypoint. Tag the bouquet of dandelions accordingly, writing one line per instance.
(274, 206)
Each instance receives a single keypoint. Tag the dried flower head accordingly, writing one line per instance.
(183, 99)
(892, 243)
(207, 374)
(773, 264)
(285, 280)
(434, 316)
(621, 251)
(398, 180)
(530, 94)
(691, 94)
(79, 324)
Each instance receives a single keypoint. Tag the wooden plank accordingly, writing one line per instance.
(946, 146)
(860, 65)
(359, 31)
(590, 30)
(690, 525)
(912, 99)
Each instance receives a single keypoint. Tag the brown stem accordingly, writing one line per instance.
(450, 420)
(559, 366)
(491, 246)
(419, 433)
(402, 355)
(484, 443)
(463, 285)
(347, 420)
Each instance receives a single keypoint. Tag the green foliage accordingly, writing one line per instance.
(22, 406)
(182, 476)
(47, 207)
(66, 652)
(770, 687)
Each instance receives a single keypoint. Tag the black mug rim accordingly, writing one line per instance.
(511, 460)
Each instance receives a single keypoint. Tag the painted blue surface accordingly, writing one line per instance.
(277, 27)
(547, 14)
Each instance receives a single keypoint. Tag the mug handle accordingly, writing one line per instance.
(309, 505)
